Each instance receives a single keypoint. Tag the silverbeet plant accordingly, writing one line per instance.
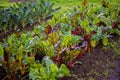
(47, 70)
(21, 52)
(61, 39)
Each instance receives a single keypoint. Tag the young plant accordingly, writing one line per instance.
(47, 70)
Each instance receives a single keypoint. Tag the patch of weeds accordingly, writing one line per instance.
(109, 65)
(93, 72)
(115, 46)
(80, 79)
(96, 73)
(106, 72)
(88, 74)
(90, 78)
(105, 47)
(117, 50)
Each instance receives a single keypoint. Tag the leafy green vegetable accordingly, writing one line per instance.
(1, 54)
(63, 71)
(47, 70)
(1, 51)
(105, 41)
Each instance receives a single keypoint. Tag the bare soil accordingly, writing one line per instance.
(100, 64)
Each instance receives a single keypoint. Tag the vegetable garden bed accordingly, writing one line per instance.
(69, 41)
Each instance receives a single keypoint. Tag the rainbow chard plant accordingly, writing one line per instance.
(20, 53)
(47, 70)
(44, 52)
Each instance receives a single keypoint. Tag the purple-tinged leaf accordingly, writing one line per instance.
(84, 43)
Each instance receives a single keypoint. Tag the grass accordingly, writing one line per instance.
(64, 4)
(68, 4)
(5, 3)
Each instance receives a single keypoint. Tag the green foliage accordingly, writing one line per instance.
(62, 38)
(99, 33)
(70, 40)
(63, 71)
(24, 13)
(1, 54)
(1, 51)
(49, 49)
(105, 41)
(114, 45)
(20, 52)
(5, 3)
(85, 23)
(48, 70)
(23, 48)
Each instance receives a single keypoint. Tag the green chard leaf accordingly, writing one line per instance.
(105, 41)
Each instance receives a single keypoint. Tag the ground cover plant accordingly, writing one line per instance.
(53, 45)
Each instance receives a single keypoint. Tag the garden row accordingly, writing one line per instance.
(45, 52)
(27, 13)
